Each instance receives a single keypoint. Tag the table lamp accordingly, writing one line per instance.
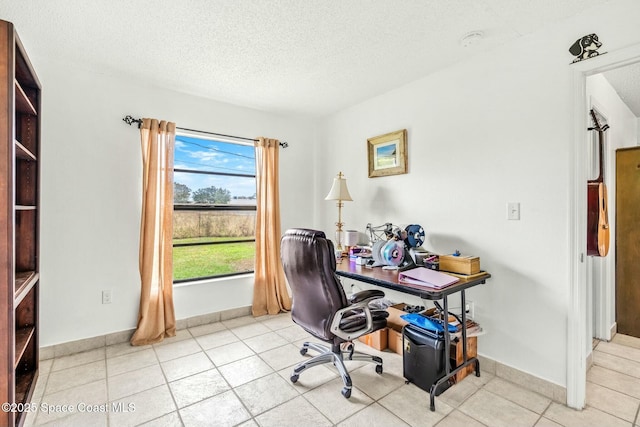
(340, 193)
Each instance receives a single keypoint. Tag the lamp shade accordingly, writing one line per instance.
(339, 190)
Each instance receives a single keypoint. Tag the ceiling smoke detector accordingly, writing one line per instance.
(471, 38)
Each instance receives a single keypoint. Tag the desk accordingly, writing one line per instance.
(389, 279)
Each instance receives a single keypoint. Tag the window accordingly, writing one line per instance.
(214, 208)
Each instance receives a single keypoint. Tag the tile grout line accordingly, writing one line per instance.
(468, 397)
(231, 388)
(253, 417)
(303, 394)
(544, 412)
(615, 355)
(46, 384)
(216, 367)
(276, 372)
(166, 382)
(518, 404)
(106, 383)
(618, 391)
(44, 390)
(613, 389)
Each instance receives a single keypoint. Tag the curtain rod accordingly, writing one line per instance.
(130, 120)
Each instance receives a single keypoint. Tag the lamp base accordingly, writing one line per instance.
(339, 239)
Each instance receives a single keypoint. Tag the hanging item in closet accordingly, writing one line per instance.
(597, 215)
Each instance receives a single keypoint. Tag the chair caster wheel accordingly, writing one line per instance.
(303, 351)
(294, 378)
(346, 392)
(379, 369)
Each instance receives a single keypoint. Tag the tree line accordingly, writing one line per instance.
(208, 195)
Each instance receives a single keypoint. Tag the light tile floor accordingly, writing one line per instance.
(237, 372)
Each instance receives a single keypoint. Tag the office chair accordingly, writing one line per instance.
(320, 305)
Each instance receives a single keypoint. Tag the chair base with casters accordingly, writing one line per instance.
(321, 307)
(336, 356)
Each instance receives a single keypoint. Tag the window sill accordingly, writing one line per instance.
(198, 282)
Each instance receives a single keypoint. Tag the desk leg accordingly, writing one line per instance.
(447, 355)
(463, 301)
(432, 398)
(447, 337)
(465, 357)
(447, 342)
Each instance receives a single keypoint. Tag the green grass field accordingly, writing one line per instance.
(211, 260)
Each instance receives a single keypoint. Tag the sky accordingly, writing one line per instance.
(215, 156)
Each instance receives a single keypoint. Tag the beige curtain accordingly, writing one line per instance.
(156, 318)
(270, 294)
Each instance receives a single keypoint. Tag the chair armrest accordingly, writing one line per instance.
(367, 294)
(362, 298)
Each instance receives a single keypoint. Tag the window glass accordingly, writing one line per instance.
(214, 208)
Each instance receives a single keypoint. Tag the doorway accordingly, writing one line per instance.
(615, 95)
(580, 328)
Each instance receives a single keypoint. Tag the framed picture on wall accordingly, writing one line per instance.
(388, 154)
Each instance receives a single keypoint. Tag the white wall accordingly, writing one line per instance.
(497, 128)
(91, 191)
(623, 132)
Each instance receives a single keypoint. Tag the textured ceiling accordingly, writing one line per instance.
(626, 82)
(310, 57)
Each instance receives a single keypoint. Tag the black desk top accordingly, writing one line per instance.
(389, 279)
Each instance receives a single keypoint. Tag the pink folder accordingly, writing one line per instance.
(426, 277)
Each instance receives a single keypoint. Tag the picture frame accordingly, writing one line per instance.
(387, 154)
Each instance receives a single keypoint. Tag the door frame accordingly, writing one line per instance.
(577, 305)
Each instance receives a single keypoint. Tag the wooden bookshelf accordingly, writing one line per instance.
(19, 221)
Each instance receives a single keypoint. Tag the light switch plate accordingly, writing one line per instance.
(513, 210)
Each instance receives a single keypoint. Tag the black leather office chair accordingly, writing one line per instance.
(320, 305)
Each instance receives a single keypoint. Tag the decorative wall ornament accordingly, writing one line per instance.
(585, 47)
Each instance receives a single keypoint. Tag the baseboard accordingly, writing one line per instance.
(72, 347)
(546, 388)
(614, 329)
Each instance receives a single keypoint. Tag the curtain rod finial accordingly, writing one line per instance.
(130, 120)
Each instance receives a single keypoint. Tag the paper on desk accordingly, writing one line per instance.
(426, 277)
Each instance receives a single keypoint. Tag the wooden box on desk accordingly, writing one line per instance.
(459, 264)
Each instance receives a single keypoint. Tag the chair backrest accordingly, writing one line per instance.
(309, 263)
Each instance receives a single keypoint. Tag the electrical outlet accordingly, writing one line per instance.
(469, 309)
(106, 297)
